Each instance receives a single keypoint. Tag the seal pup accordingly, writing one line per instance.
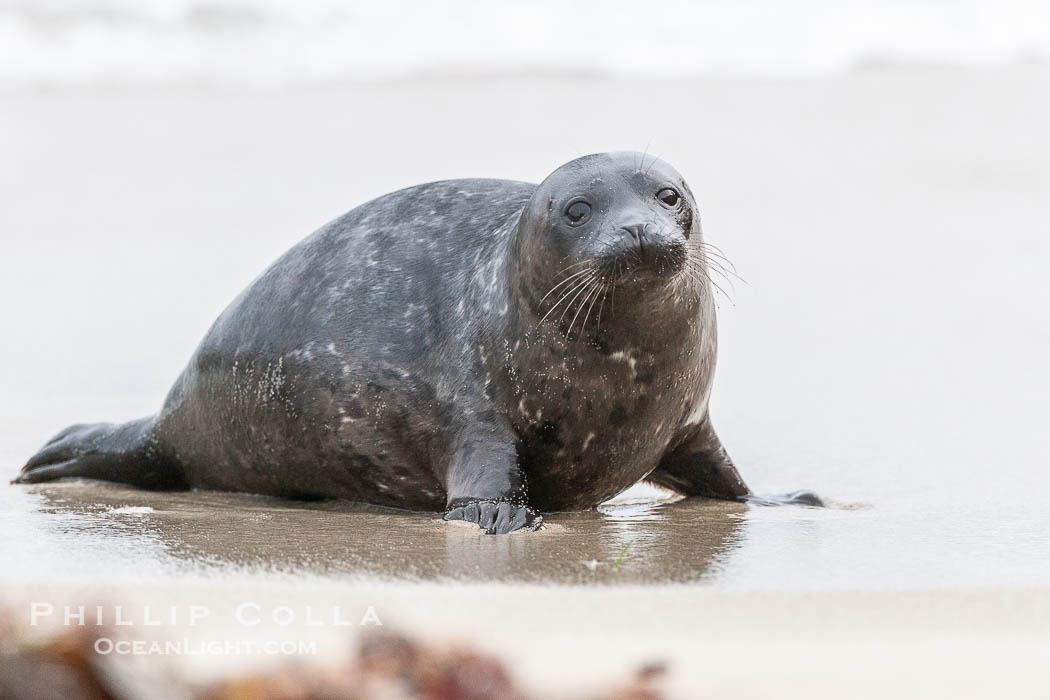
(487, 348)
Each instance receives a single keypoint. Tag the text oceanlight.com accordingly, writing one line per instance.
(187, 647)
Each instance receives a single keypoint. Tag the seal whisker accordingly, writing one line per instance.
(712, 246)
(681, 282)
(656, 158)
(709, 280)
(597, 291)
(712, 262)
(721, 263)
(590, 291)
(573, 301)
(598, 324)
(711, 254)
(645, 152)
(714, 254)
(699, 286)
(718, 287)
(588, 261)
(725, 277)
(570, 277)
(578, 285)
(712, 266)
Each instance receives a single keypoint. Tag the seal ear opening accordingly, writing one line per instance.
(120, 453)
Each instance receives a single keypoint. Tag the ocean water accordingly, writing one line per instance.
(886, 350)
(270, 43)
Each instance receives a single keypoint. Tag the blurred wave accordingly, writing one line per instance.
(276, 42)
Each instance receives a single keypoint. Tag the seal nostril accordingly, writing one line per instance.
(636, 231)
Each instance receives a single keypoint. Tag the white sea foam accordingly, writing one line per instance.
(131, 510)
(274, 42)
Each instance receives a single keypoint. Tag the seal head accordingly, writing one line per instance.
(624, 218)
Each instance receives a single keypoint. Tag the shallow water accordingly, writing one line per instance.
(90, 528)
(165, 42)
(888, 351)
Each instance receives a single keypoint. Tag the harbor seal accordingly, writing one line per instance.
(491, 349)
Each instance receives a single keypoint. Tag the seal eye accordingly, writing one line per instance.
(578, 212)
(669, 197)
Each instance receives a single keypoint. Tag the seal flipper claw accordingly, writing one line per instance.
(485, 484)
(497, 517)
(49, 472)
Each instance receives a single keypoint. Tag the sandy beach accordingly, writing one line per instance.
(564, 642)
(886, 350)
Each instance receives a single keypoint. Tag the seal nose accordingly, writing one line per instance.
(651, 245)
(637, 235)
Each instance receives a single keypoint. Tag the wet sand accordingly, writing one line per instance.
(887, 351)
(570, 609)
(620, 543)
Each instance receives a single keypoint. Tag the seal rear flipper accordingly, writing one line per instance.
(123, 453)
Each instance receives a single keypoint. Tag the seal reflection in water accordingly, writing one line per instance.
(488, 348)
(204, 531)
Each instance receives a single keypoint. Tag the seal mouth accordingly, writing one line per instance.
(641, 260)
(583, 291)
(640, 257)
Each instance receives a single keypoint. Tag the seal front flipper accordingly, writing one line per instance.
(485, 485)
(496, 517)
(123, 453)
(700, 466)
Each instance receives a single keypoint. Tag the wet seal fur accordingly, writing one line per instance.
(487, 348)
